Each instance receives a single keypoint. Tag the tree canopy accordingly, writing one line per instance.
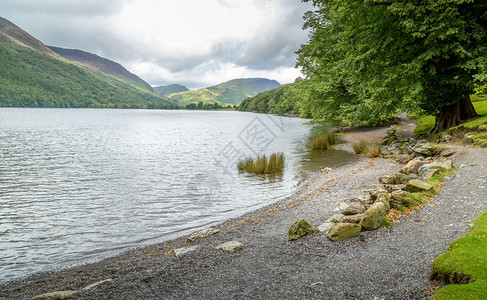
(367, 59)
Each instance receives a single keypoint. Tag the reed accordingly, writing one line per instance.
(323, 142)
(374, 151)
(262, 164)
(360, 147)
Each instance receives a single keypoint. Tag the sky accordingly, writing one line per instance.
(196, 43)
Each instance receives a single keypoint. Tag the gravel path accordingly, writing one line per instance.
(390, 263)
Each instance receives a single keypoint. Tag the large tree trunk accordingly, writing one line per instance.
(454, 115)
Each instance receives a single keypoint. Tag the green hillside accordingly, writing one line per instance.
(170, 89)
(230, 92)
(29, 78)
(284, 100)
(101, 64)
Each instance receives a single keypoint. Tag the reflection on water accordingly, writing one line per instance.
(77, 185)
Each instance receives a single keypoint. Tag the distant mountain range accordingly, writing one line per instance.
(35, 75)
(232, 92)
(32, 75)
(100, 64)
(170, 89)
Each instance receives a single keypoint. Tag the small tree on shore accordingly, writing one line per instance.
(366, 59)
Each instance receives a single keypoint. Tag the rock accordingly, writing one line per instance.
(56, 295)
(430, 173)
(299, 229)
(416, 185)
(353, 209)
(446, 138)
(384, 179)
(394, 187)
(343, 231)
(374, 216)
(384, 198)
(413, 167)
(326, 170)
(185, 250)
(335, 218)
(397, 179)
(325, 227)
(231, 246)
(93, 285)
(404, 159)
(448, 152)
(342, 206)
(462, 166)
(400, 199)
(355, 219)
(443, 165)
(201, 234)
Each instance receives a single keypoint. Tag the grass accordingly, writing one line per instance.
(361, 147)
(323, 142)
(262, 164)
(464, 266)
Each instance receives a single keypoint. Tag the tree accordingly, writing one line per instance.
(366, 59)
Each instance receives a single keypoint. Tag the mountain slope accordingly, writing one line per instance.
(230, 92)
(170, 89)
(20, 37)
(30, 77)
(100, 64)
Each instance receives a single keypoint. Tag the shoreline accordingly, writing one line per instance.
(392, 262)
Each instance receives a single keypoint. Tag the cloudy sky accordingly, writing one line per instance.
(196, 43)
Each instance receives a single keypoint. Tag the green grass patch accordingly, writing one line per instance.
(263, 164)
(464, 266)
(323, 142)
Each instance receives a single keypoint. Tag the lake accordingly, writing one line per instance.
(77, 185)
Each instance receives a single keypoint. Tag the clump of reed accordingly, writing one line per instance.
(262, 164)
(323, 142)
(361, 147)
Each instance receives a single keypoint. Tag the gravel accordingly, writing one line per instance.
(389, 263)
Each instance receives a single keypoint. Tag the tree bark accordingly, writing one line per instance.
(454, 115)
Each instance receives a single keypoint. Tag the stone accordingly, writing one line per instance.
(93, 285)
(394, 187)
(355, 219)
(400, 199)
(413, 167)
(374, 216)
(342, 206)
(384, 198)
(448, 152)
(202, 234)
(442, 165)
(335, 218)
(231, 246)
(397, 179)
(325, 227)
(343, 231)
(384, 179)
(56, 295)
(185, 250)
(430, 173)
(416, 185)
(299, 229)
(353, 209)
(404, 159)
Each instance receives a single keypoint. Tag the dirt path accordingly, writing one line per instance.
(391, 263)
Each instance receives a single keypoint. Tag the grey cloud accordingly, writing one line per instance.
(61, 7)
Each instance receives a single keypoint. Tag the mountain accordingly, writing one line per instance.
(231, 92)
(170, 89)
(100, 64)
(32, 75)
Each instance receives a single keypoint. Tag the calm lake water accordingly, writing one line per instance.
(78, 185)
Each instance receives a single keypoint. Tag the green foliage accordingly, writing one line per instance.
(231, 92)
(368, 59)
(262, 164)
(284, 100)
(464, 265)
(170, 89)
(33, 79)
(323, 142)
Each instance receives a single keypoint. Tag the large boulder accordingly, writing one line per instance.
(413, 166)
(384, 198)
(355, 219)
(231, 246)
(353, 209)
(202, 234)
(343, 231)
(401, 199)
(441, 165)
(299, 229)
(414, 186)
(374, 217)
